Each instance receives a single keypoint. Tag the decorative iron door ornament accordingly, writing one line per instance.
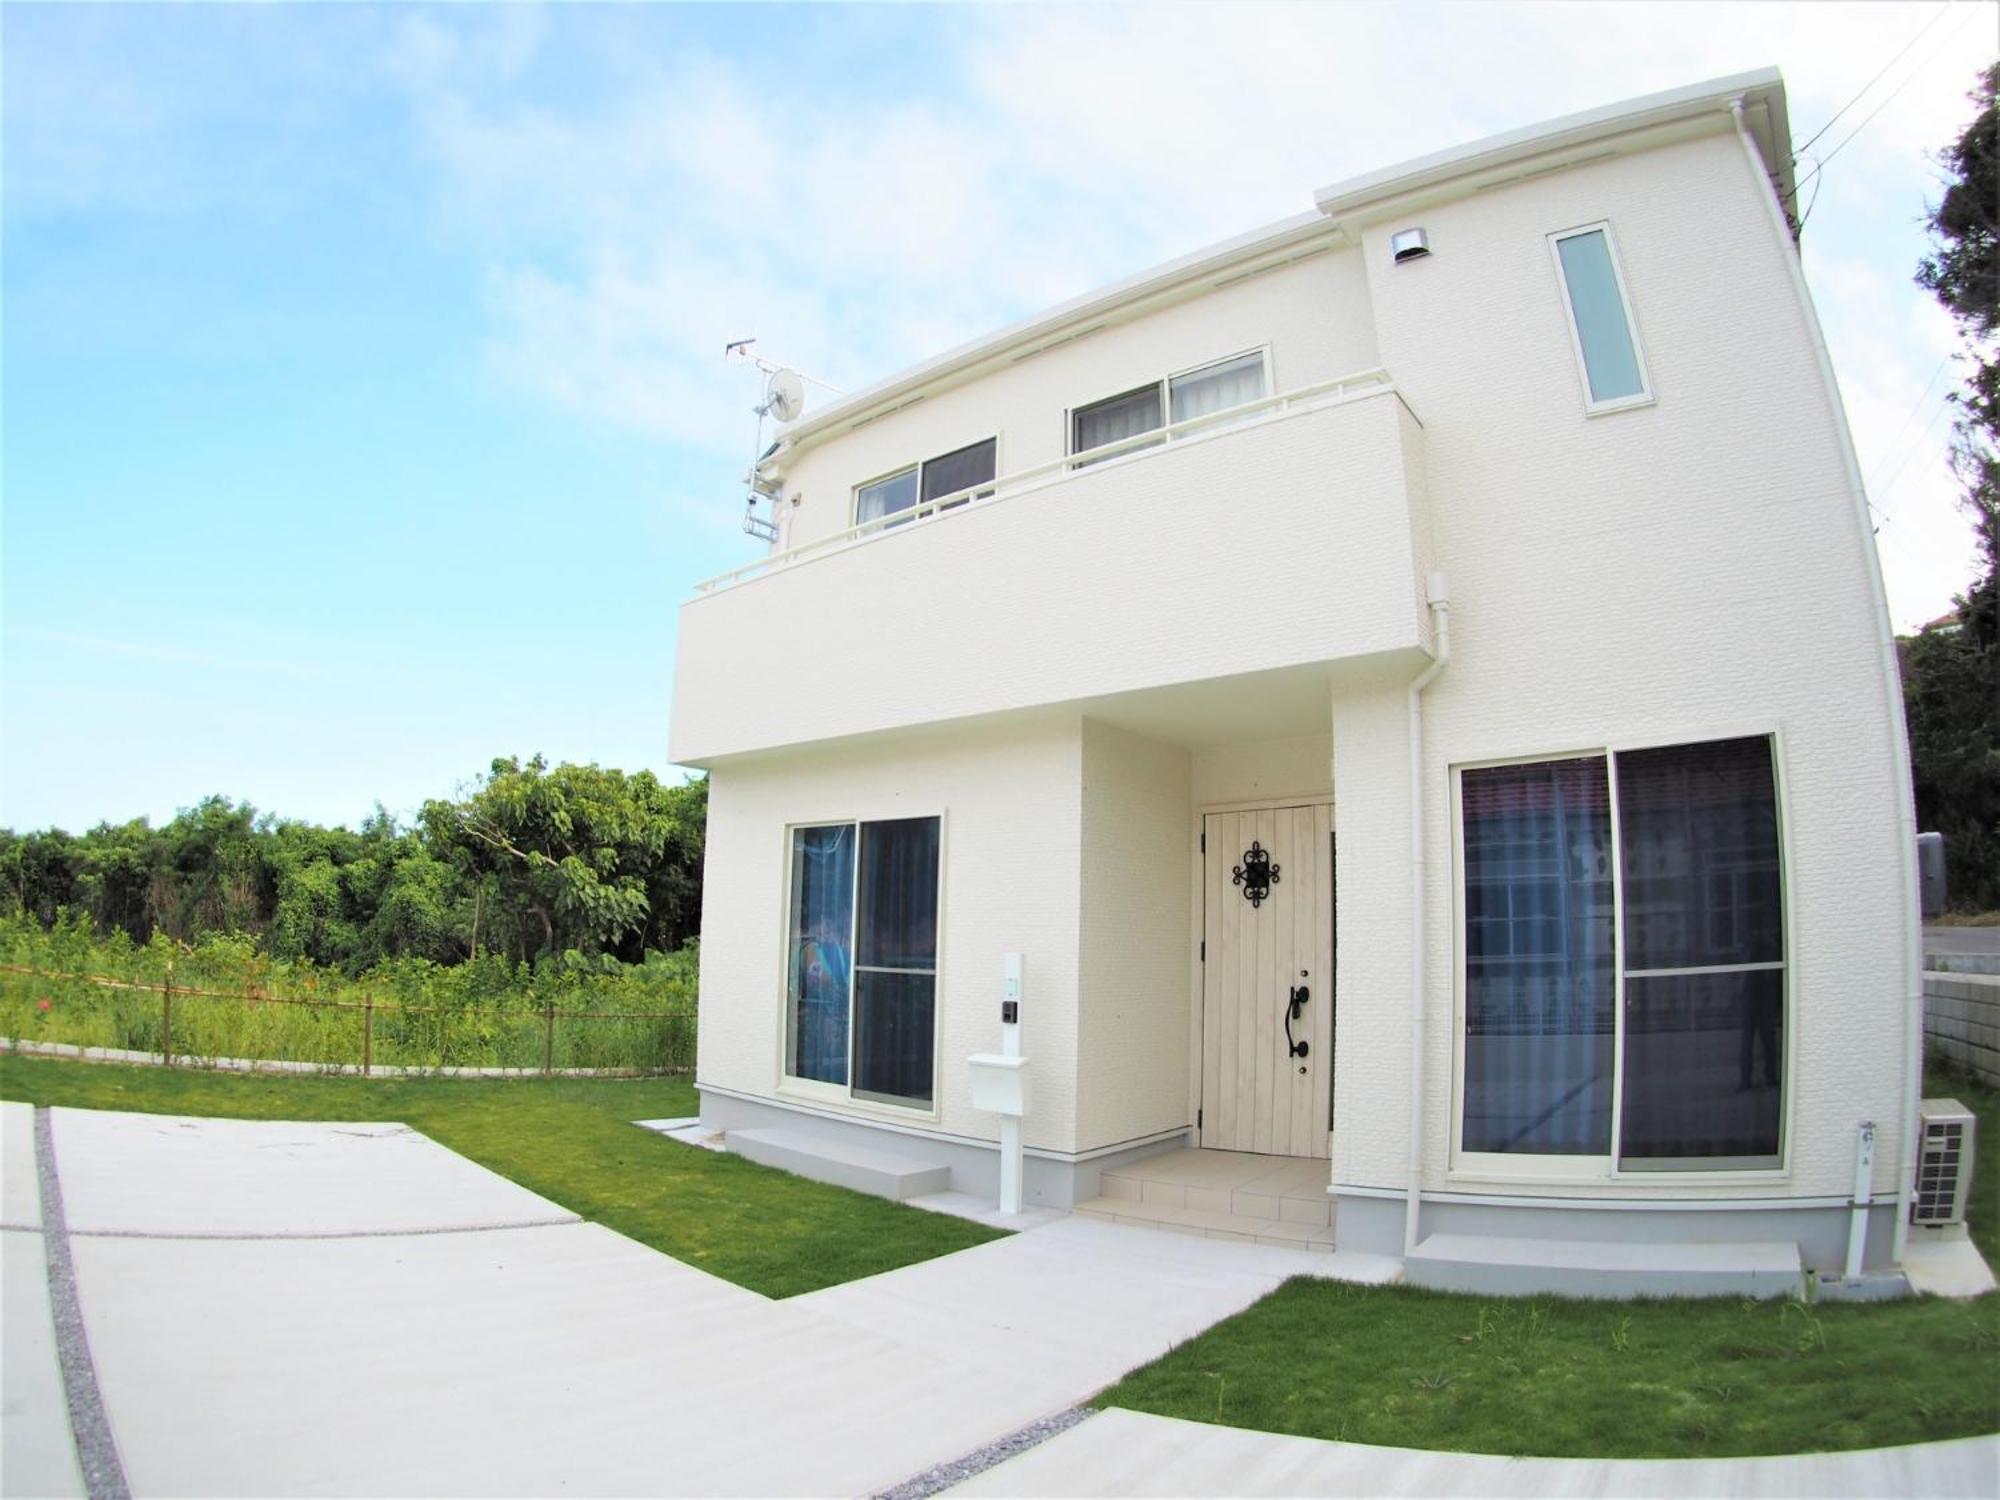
(1256, 874)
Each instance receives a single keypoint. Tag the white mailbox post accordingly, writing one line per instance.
(1000, 1084)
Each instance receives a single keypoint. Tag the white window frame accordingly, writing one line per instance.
(1165, 386)
(854, 492)
(1644, 395)
(1535, 1168)
(843, 1095)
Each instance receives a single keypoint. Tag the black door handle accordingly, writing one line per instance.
(1300, 994)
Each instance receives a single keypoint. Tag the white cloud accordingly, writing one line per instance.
(632, 233)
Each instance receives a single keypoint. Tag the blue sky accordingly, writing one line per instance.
(364, 414)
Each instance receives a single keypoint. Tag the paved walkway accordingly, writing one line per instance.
(302, 1309)
(1131, 1453)
(258, 1308)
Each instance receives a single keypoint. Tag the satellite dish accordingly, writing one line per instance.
(785, 395)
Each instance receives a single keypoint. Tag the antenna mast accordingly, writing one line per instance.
(784, 400)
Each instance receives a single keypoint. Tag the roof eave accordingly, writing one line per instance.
(1555, 143)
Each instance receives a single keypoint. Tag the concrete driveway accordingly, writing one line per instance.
(331, 1309)
(214, 1307)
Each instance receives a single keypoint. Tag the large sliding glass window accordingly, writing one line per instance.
(1704, 956)
(862, 992)
(1539, 982)
(1678, 1014)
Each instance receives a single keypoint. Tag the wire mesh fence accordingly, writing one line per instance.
(202, 1025)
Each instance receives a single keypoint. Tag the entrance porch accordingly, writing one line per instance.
(1222, 1195)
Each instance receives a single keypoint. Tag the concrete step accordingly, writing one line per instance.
(1604, 1268)
(1291, 1189)
(863, 1168)
(1208, 1223)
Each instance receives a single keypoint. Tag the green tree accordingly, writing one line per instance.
(1952, 673)
(571, 850)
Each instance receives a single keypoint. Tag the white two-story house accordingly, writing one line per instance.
(1414, 684)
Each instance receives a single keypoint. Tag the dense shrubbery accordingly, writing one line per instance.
(488, 1012)
(531, 862)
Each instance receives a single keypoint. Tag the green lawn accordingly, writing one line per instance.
(570, 1140)
(1663, 1379)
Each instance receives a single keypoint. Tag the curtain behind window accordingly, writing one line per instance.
(1120, 417)
(885, 497)
(1539, 983)
(821, 961)
(1218, 387)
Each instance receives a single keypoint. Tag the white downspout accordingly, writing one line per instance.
(1892, 681)
(1438, 595)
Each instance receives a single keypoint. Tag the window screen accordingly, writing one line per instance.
(960, 470)
(1704, 954)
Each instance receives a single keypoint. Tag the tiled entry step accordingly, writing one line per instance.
(1223, 1195)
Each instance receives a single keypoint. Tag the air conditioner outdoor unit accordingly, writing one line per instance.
(1944, 1162)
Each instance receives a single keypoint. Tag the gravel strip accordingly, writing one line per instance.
(96, 1453)
(318, 1234)
(937, 1480)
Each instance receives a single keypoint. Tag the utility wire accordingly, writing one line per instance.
(1800, 151)
(1943, 42)
(1923, 439)
(1904, 431)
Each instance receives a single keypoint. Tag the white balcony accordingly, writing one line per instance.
(1277, 535)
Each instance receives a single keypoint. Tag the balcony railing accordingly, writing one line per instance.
(1307, 398)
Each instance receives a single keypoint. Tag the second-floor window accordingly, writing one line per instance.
(1600, 319)
(1178, 398)
(946, 474)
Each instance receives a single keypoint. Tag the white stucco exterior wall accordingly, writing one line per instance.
(1312, 316)
(1128, 575)
(1010, 859)
(1132, 989)
(1690, 569)
(1681, 571)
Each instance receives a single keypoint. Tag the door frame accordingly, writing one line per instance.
(1198, 907)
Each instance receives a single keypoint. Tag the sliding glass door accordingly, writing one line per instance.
(1539, 982)
(1624, 994)
(861, 985)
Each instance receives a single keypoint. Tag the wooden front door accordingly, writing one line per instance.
(1267, 943)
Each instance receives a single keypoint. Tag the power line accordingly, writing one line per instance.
(1946, 40)
(1939, 16)
(1918, 447)
(1918, 406)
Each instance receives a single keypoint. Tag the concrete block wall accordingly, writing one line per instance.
(1962, 1021)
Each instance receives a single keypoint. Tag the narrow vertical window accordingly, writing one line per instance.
(861, 995)
(1704, 956)
(1600, 320)
(1539, 981)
